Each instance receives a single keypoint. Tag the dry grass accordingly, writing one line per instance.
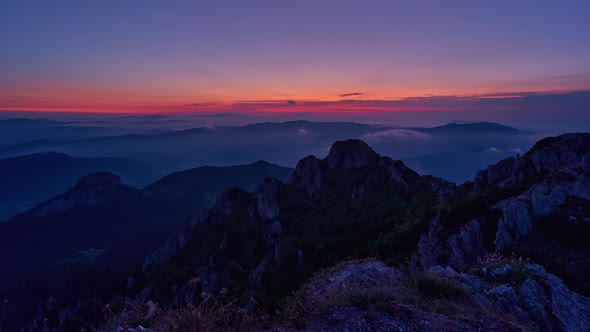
(131, 315)
(213, 313)
(421, 293)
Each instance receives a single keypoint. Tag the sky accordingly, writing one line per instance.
(295, 56)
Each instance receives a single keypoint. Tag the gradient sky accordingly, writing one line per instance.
(176, 56)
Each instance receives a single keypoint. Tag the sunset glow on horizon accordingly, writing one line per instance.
(256, 56)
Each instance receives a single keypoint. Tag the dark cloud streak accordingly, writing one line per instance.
(351, 94)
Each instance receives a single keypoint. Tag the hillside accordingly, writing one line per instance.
(29, 180)
(485, 255)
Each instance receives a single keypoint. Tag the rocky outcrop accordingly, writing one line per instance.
(543, 199)
(546, 156)
(228, 205)
(351, 154)
(459, 250)
(371, 296)
(308, 176)
(537, 298)
(266, 195)
(361, 275)
(515, 224)
(365, 170)
(547, 184)
(166, 251)
(466, 246)
(357, 203)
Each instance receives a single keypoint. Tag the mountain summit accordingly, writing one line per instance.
(492, 249)
(351, 154)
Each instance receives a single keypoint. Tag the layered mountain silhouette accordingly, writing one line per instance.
(436, 150)
(31, 179)
(460, 253)
(101, 219)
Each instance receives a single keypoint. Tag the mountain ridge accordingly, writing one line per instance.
(356, 203)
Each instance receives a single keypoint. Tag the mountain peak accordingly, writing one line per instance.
(351, 153)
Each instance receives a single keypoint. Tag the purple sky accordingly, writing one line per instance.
(248, 56)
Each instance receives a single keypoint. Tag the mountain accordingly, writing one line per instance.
(504, 252)
(473, 128)
(448, 242)
(111, 223)
(536, 205)
(19, 130)
(285, 143)
(30, 179)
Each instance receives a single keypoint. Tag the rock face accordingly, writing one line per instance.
(327, 303)
(351, 154)
(266, 240)
(365, 169)
(164, 252)
(308, 176)
(355, 203)
(515, 224)
(459, 250)
(528, 202)
(267, 198)
(539, 299)
(548, 155)
(467, 245)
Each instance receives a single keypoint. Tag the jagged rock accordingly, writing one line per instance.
(266, 198)
(546, 197)
(351, 154)
(541, 298)
(166, 251)
(460, 250)
(228, 205)
(466, 246)
(547, 155)
(429, 249)
(428, 253)
(494, 173)
(384, 172)
(443, 188)
(285, 259)
(569, 308)
(515, 224)
(308, 176)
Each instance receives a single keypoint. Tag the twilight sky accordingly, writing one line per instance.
(209, 56)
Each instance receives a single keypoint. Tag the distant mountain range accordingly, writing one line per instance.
(473, 128)
(284, 143)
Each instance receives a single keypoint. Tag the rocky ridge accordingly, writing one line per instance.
(537, 202)
(355, 203)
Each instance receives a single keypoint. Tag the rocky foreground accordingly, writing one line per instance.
(505, 252)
